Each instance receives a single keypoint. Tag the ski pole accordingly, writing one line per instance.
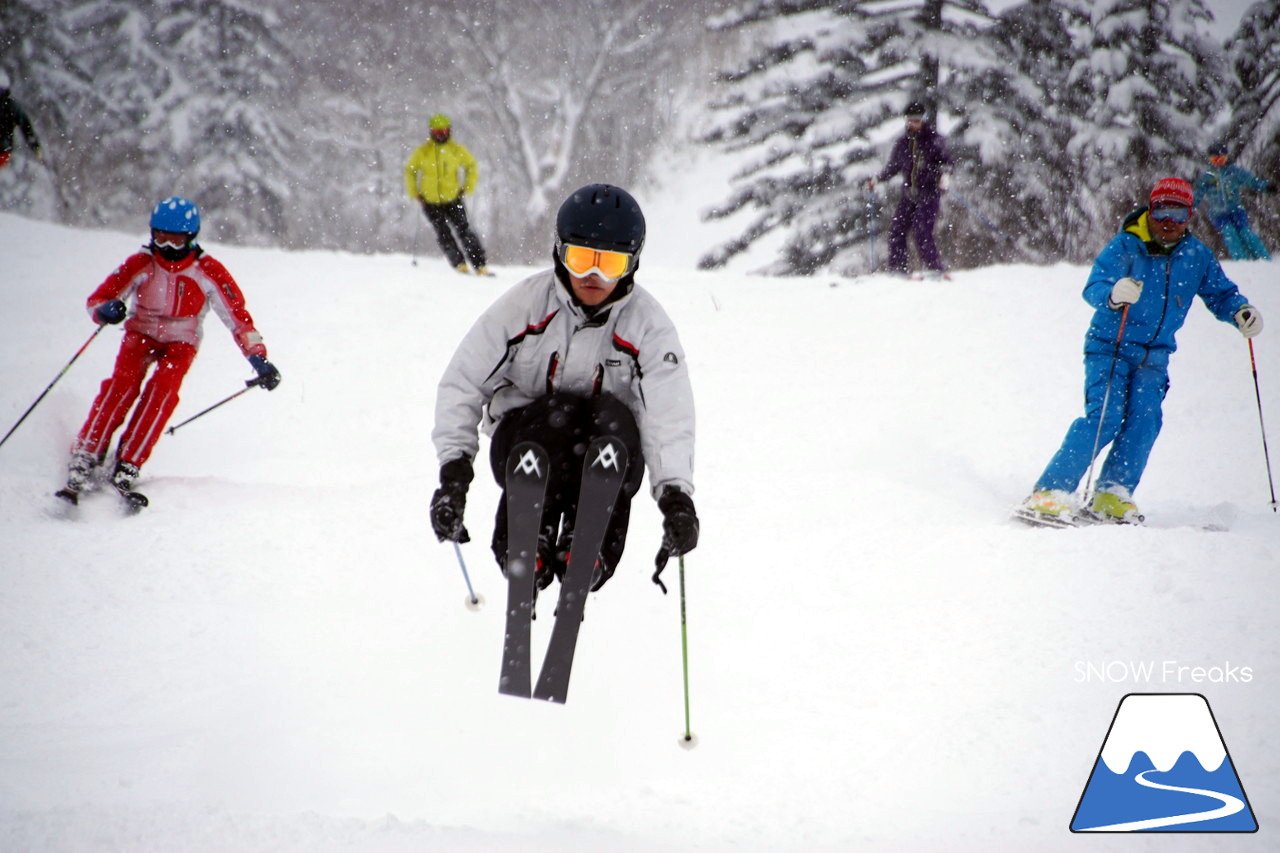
(83, 347)
(871, 224)
(248, 383)
(687, 740)
(417, 238)
(1266, 455)
(1102, 416)
(473, 600)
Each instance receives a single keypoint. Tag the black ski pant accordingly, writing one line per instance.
(452, 215)
(564, 424)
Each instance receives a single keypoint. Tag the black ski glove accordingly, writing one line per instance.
(268, 376)
(450, 500)
(679, 529)
(110, 312)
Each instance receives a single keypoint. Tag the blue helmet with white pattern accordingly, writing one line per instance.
(176, 215)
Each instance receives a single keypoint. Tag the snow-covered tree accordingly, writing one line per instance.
(1153, 79)
(1014, 124)
(568, 96)
(49, 80)
(187, 98)
(1254, 53)
(220, 107)
(813, 111)
(1254, 136)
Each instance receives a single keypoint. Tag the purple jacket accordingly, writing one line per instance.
(921, 157)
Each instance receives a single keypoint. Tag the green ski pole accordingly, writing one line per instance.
(687, 740)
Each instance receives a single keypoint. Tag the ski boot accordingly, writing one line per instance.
(463, 268)
(1114, 507)
(80, 471)
(123, 478)
(1046, 508)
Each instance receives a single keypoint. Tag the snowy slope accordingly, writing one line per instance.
(275, 656)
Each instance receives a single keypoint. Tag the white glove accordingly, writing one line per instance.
(1248, 321)
(1125, 292)
(944, 182)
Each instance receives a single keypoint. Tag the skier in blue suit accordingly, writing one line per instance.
(1218, 191)
(1145, 279)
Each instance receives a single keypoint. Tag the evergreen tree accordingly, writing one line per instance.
(231, 76)
(188, 98)
(50, 81)
(816, 108)
(1153, 79)
(1015, 121)
(1254, 136)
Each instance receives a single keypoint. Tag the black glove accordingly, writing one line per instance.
(110, 312)
(679, 528)
(1270, 190)
(450, 500)
(268, 376)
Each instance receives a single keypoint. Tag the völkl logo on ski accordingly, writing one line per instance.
(607, 457)
(528, 464)
(1163, 767)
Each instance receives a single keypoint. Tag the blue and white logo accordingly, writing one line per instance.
(1163, 767)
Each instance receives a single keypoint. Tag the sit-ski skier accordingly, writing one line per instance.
(572, 353)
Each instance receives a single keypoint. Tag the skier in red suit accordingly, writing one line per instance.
(171, 284)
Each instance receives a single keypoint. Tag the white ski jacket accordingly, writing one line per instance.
(536, 340)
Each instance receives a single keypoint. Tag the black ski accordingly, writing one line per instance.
(602, 474)
(526, 482)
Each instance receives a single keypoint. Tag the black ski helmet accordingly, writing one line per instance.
(601, 216)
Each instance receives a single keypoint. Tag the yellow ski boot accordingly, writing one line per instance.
(1046, 508)
(1115, 507)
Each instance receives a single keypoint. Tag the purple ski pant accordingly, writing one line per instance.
(916, 216)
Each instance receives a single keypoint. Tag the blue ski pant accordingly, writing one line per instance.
(1242, 244)
(1133, 419)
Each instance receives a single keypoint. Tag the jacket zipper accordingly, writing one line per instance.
(1164, 308)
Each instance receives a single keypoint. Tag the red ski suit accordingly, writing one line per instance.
(169, 301)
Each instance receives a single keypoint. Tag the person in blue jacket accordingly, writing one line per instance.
(1218, 191)
(1141, 285)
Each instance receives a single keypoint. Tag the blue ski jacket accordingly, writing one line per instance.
(1171, 278)
(1218, 190)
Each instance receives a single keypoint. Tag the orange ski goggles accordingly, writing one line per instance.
(582, 261)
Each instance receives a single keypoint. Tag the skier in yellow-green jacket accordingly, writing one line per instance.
(432, 178)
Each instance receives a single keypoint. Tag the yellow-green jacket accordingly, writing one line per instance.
(432, 172)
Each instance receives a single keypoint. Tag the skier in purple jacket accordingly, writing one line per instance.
(921, 156)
